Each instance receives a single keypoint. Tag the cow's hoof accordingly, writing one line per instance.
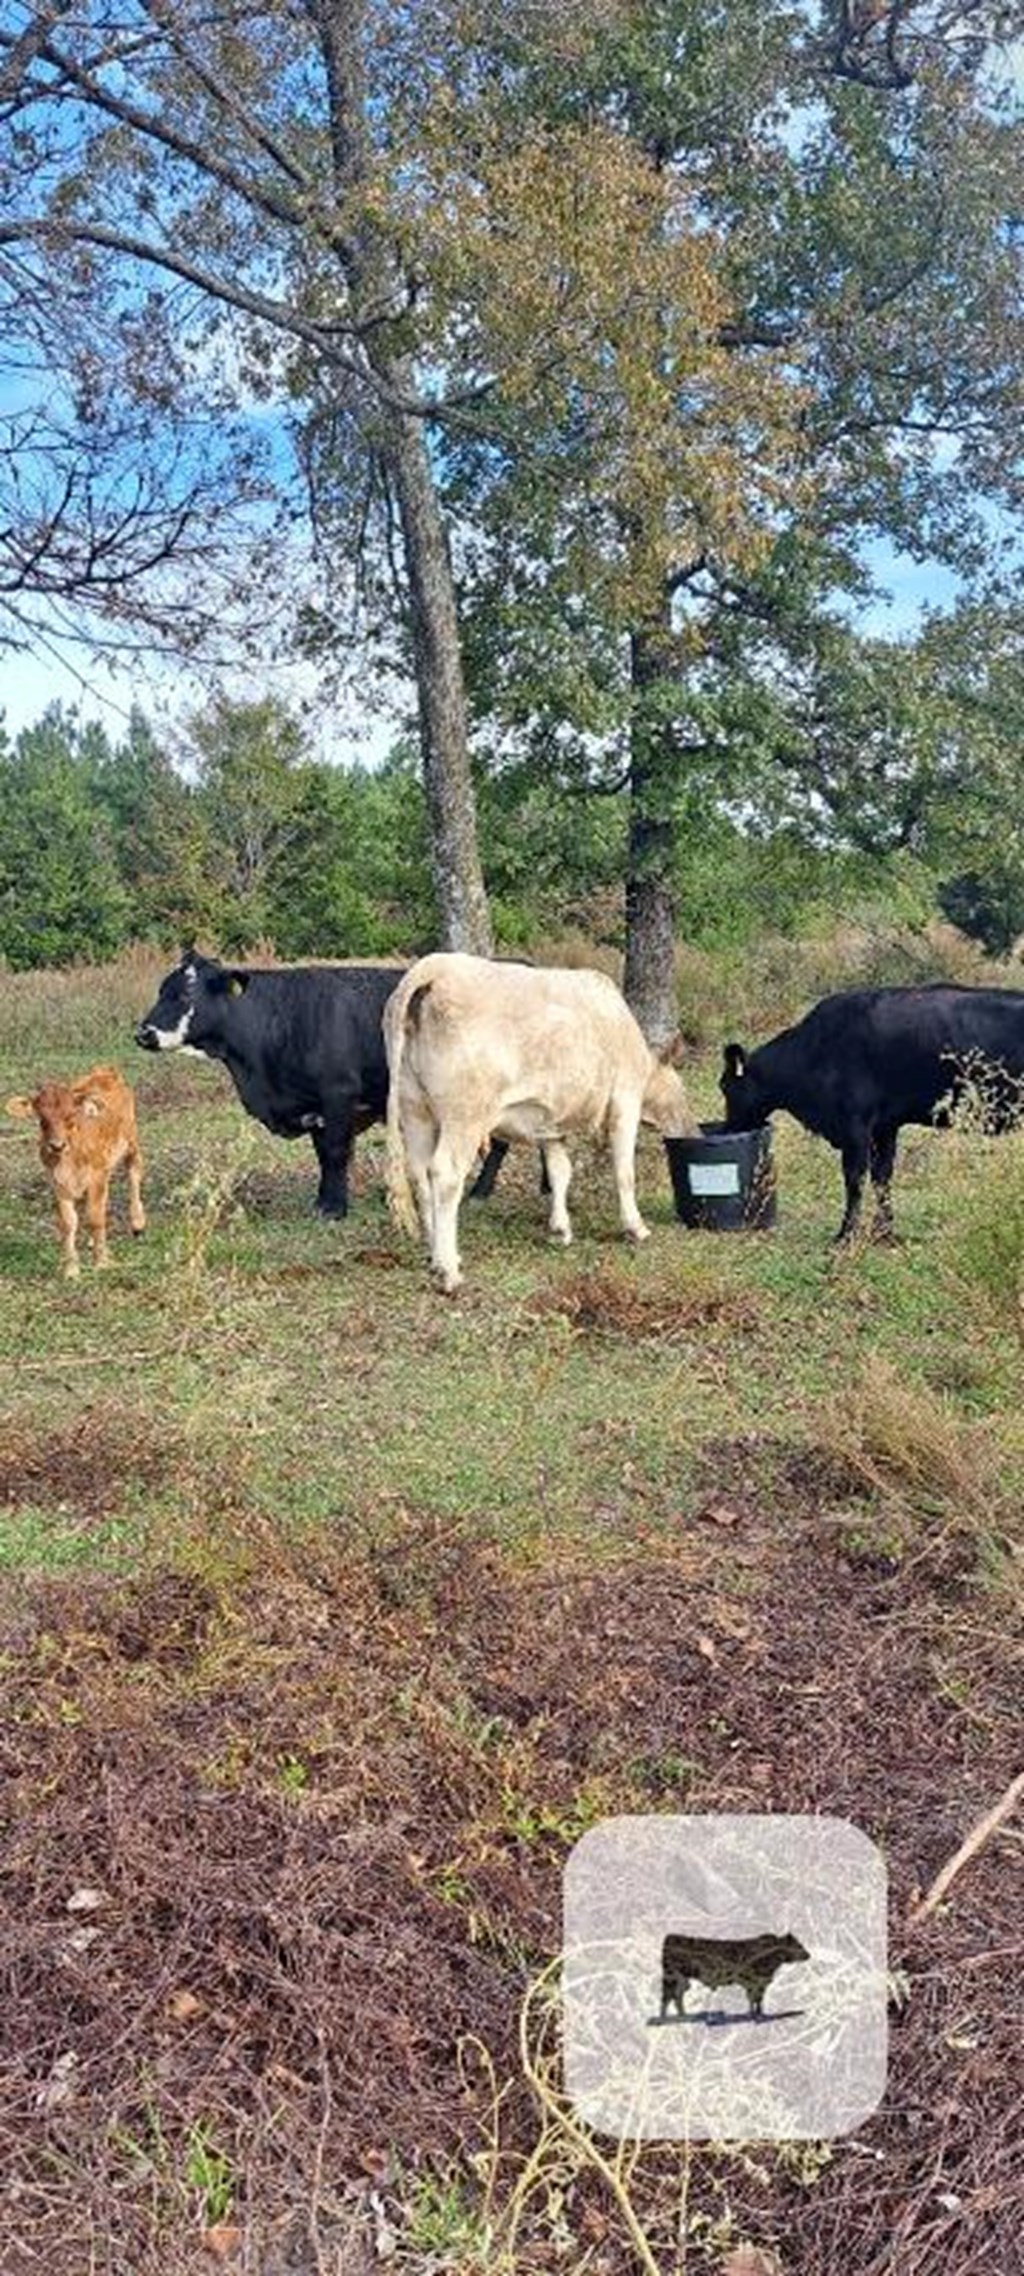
(885, 1236)
(333, 1209)
(137, 1232)
(446, 1277)
(638, 1233)
(559, 1239)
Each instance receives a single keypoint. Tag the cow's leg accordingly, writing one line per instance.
(484, 1183)
(559, 1169)
(333, 1150)
(623, 1133)
(136, 1212)
(673, 1994)
(67, 1228)
(96, 1218)
(419, 1137)
(855, 1163)
(452, 1160)
(883, 1161)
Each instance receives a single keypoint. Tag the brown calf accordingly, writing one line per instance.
(86, 1130)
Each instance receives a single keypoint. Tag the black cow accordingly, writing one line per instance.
(304, 1047)
(717, 1961)
(864, 1063)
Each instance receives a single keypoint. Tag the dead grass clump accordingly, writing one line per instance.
(88, 1465)
(602, 1302)
(165, 1625)
(911, 1445)
(323, 1821)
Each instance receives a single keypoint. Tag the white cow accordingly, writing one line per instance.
(478, 1050)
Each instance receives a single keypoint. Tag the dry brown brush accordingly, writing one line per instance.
(319, 1807)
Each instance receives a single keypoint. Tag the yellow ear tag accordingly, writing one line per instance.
(235, 988)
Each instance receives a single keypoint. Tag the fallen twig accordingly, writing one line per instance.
(975, 1841)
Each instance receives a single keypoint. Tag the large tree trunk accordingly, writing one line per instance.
(650, 908)
(375, 286)
(451, 805)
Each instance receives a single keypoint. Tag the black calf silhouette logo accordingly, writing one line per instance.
(717, 1961)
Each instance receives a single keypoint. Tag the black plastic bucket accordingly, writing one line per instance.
(724, 1180)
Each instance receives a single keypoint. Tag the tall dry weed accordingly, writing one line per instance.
(55, 1022)
(911, 1445)
(205, 1203)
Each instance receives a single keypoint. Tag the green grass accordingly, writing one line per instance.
(243, 1351)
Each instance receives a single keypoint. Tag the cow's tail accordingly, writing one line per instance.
(400, 1200)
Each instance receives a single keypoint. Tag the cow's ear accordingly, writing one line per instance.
(91, 1106)
(21, 1108)
(672, 1053)
(229, 983)
(735, 1059)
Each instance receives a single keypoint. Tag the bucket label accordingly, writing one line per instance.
(713, 1177)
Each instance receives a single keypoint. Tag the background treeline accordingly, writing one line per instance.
(583, 369)
(907, 805)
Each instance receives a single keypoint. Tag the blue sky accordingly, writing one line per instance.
(106, 692)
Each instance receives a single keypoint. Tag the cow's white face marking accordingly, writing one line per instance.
(171, 1038)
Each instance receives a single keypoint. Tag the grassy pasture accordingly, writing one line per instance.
(305, 1566)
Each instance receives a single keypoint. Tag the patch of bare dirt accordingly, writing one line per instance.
(600, 1302)
(792, 1474)
(325, 1812)
(376, 1259)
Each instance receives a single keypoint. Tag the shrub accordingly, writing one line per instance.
(773, 982)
